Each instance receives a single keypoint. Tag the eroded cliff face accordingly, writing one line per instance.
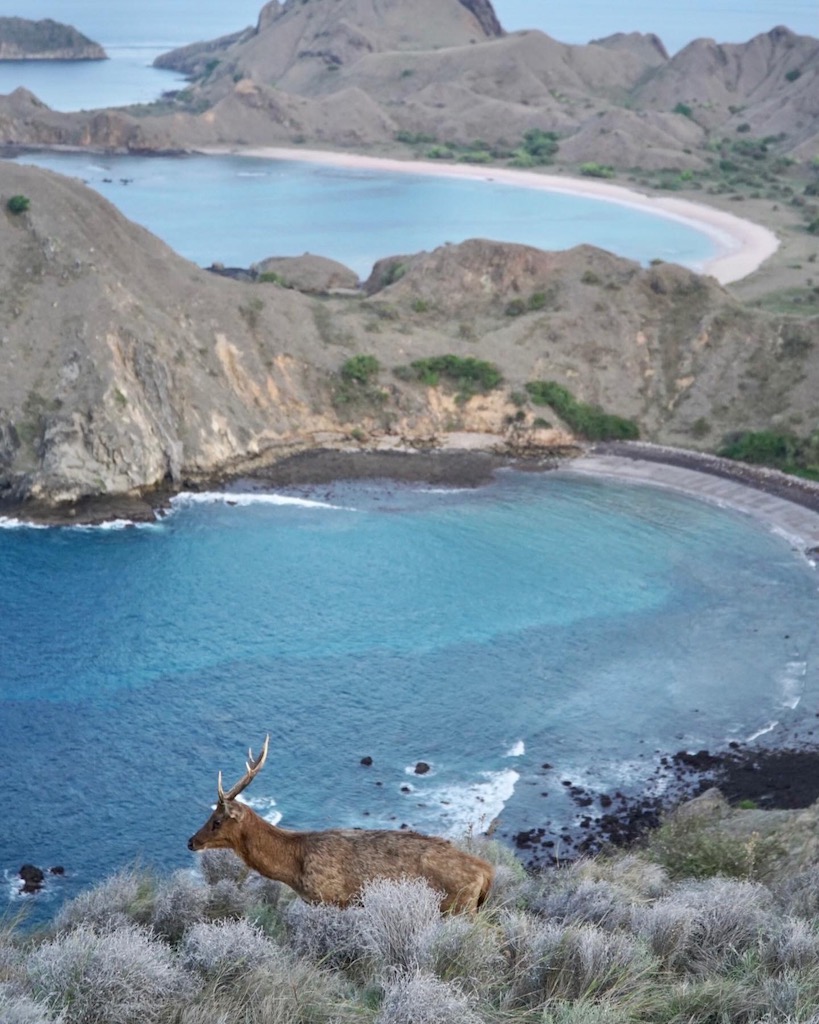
(126, 368)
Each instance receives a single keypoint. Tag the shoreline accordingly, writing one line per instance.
(742, 245)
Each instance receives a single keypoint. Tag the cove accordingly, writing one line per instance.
(538, 619)
(238, 210)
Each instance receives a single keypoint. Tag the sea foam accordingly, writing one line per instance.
(472, 807)
(245, 498)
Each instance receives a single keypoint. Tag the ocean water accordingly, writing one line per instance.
(540, 618)
(135, 33)
(237, 210)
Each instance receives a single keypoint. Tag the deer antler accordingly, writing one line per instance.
(253, 768)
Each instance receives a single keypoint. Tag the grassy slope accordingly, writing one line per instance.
(646, 936)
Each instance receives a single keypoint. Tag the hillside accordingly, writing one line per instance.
(129, 369)
(21, 39)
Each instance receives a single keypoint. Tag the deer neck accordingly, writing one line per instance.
(273, 852)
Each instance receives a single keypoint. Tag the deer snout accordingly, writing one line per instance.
(191, 844)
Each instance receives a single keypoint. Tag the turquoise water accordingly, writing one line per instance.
(540, 618)
(237, 210)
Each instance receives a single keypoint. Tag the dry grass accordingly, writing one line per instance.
(604, 941)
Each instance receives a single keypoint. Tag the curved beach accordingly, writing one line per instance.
(742, 245)
(786, 504)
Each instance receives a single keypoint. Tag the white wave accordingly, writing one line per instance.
(516, 750)
(762, 732)
(792, 683)
(10, 523)
(244, 499)
(474, 806)
(265, 807)
(252, 174)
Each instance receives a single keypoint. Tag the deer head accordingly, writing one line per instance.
(222, 828)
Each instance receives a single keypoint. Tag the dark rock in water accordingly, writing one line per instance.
(32, 876)
(702, 761)
(366, 761)
(421, 768)
(58, 869)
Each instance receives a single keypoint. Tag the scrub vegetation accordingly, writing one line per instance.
(466, 375)
(587, 421)
(624, 938)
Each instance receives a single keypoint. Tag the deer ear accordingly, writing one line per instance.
(232, 808)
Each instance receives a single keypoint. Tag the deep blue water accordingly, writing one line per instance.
(540, 618)
(237, 210)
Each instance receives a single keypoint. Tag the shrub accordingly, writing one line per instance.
(179, 903)
(421, 998)
(120, 976)
(125, 897)
(763, 447)
(323, 933)
(360, 369)
(397, 922)
(216, 865)
(19, 1009)
(18, 204)
(792, 75)
(587, 421)
(689, 849)
(538, 147)
(226, 949)
(684, 109)
(468, 375)
(707, 925)
(468, 951)
(594, 170)
(515, 307)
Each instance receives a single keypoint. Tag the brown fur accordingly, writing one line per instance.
(334, 865)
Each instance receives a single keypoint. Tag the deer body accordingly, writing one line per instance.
(333, 866)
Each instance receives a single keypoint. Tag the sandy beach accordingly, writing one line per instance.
(742, 245)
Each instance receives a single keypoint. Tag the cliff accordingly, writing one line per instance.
(126, 368)
(21, 39)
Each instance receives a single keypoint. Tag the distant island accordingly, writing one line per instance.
(22, 39)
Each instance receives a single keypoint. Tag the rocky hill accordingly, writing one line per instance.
(126, 368)
(21, 39)
(366, 75)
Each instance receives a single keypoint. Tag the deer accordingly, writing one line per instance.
(334, 865)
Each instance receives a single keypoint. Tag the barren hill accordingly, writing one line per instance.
(377, 74)
(22, 39)
(127, 368)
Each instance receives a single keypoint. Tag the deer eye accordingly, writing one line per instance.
(216, 824)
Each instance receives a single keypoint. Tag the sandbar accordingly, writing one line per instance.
(742, 245)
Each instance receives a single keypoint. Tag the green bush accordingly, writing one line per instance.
(779, 450)
(360, 369)
(588, 421)
(18, 204)
(689, 849)
(469, 376)
(684, 109)
(594, 170)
